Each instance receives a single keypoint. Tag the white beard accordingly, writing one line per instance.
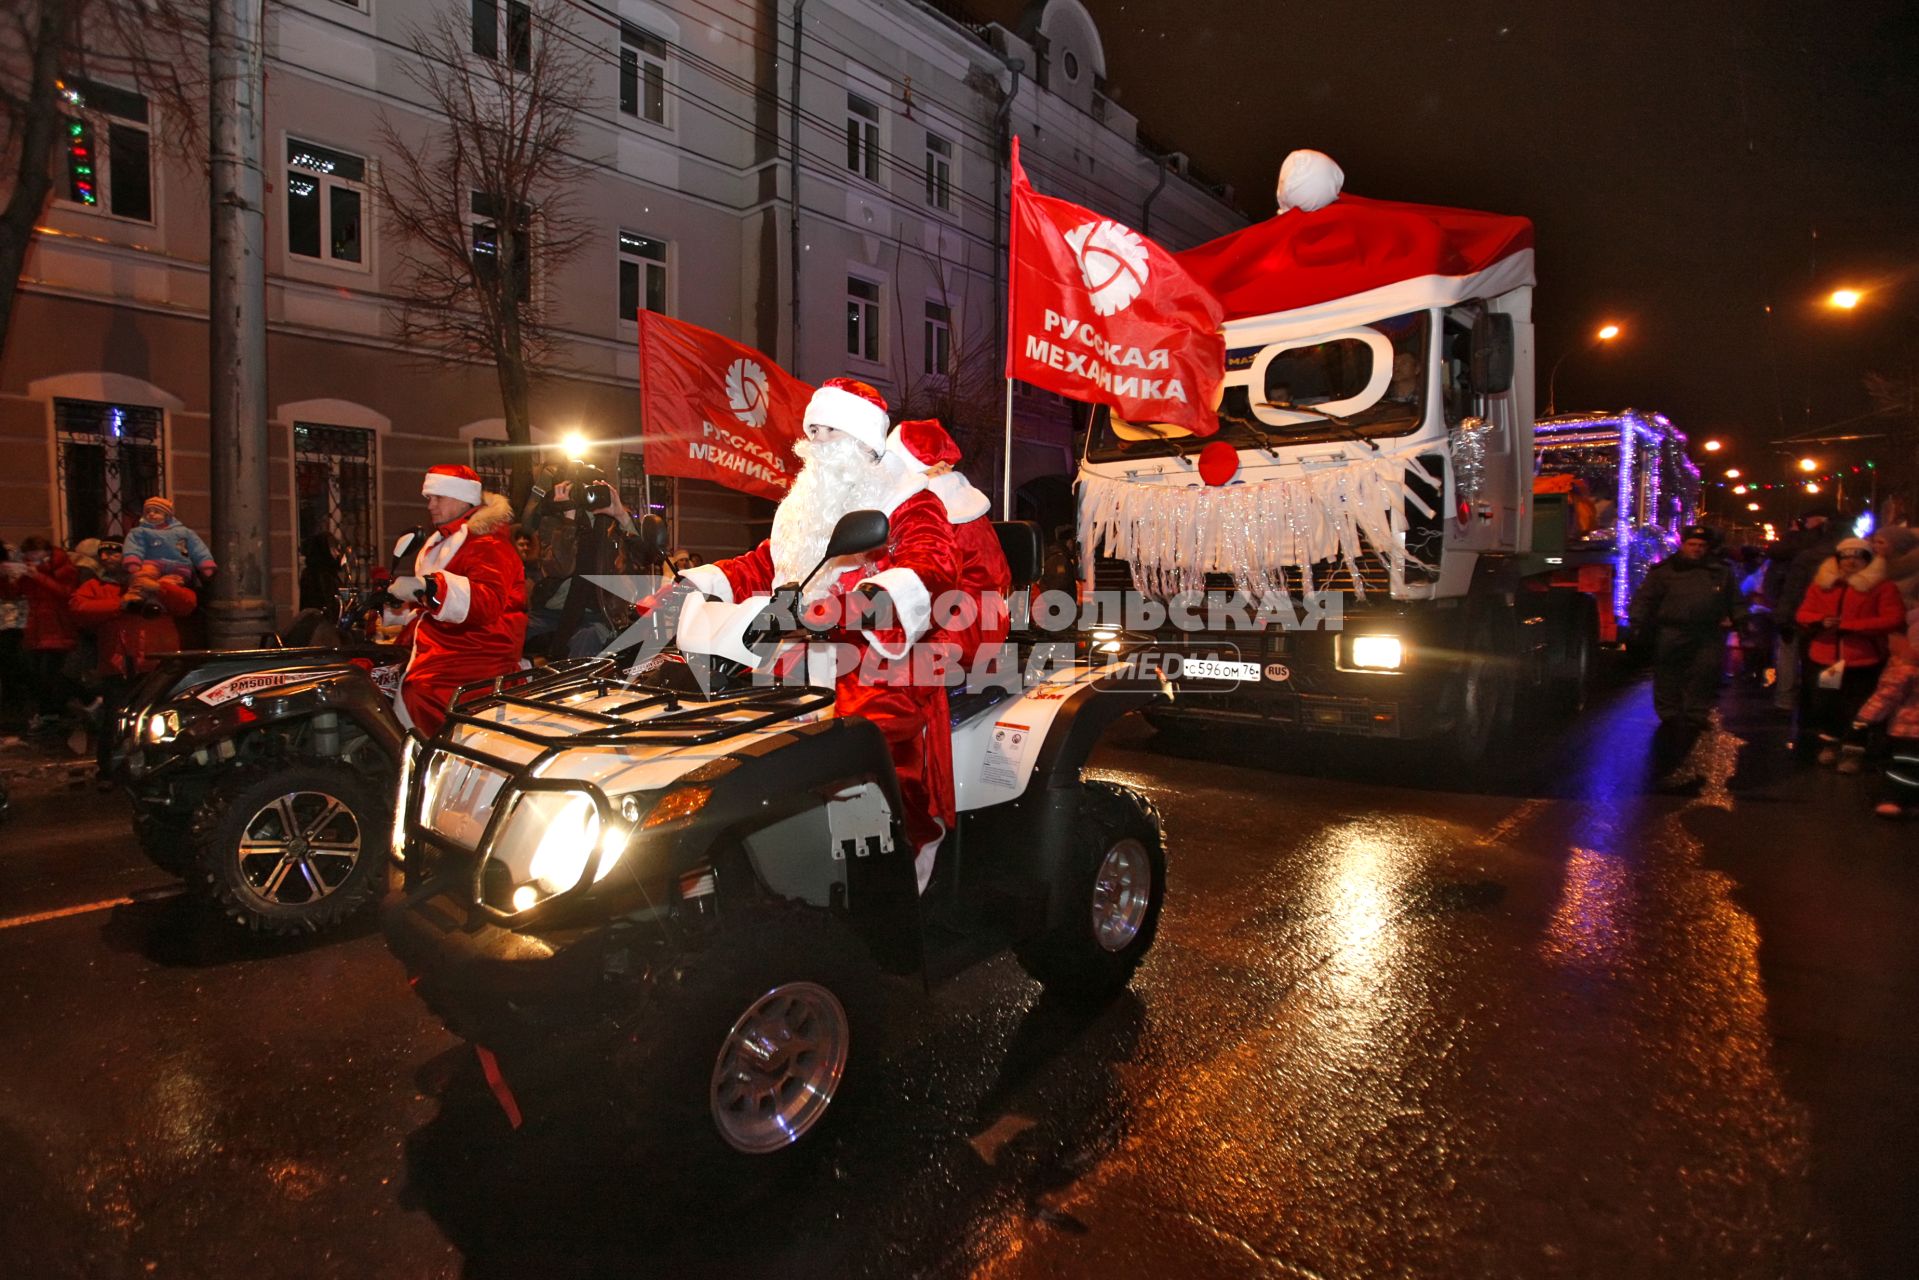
(839, 476)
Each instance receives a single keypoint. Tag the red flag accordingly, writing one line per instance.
(711, 409)
(1102, 314)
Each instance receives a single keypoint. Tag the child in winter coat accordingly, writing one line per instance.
(1848, 611)
(45, 578)
(166, 544)
(1896, 701)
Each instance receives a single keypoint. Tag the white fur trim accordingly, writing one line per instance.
(856, 416)
(926, 855)
(710, 579)
(458, 599)
(962, 501)
(468, 491)
(910, 600)
(901, 488)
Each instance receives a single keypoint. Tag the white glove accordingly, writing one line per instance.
(406, 588)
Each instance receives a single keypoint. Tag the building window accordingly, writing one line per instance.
(486, 246)
(1069, 63)
(939, 172)
(111, 459)
(508, 26)
(862, 318)
(642, 275)
(1042, 61)
(938, 331)
(333, 470)
(326, 203)
(642, 74)
(862, 137)
(108, 150)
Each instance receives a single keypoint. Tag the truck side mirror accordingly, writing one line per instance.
(1492, 372)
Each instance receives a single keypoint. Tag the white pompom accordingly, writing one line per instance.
(1309, 180)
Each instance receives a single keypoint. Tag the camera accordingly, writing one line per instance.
(590, 491)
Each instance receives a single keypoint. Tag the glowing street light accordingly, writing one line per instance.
(1732, 473)
(1808, 464)
(1812, 486)
(1607, 332)
(1604, 334)
(1752, 506)
(1844, 299)
(1740, 488)
(1712, 446)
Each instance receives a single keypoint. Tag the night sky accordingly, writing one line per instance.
(1687, 164)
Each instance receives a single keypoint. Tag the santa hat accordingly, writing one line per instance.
(165, 504)
(852, 406)
(1309, 180)
(454, 482)
(921, 443)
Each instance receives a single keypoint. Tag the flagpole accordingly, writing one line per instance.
(1012, 256)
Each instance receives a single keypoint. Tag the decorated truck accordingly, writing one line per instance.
(1373, 468)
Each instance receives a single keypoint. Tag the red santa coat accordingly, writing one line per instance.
(920, 564)
(477, 628)
(984, 576)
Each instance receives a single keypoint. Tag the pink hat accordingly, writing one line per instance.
(852, 406)
(454, 482)
(921, 443)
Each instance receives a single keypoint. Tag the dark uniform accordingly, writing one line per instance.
(1686, 605)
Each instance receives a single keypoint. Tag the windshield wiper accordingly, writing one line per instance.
(1345, 427)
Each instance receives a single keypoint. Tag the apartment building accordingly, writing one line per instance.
(853, 230)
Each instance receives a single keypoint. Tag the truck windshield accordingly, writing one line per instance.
(1371, 378)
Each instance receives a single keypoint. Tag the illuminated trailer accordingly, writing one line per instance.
(1611, 491)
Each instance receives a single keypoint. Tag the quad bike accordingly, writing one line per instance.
(663, 894)
(264, 777)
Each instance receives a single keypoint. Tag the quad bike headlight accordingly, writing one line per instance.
(161, 726)
(549, 838)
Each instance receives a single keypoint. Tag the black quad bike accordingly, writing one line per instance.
(654, 892)
(265, 777)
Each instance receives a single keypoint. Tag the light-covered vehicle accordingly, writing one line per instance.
(661, 886)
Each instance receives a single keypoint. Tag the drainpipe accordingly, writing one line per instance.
(793, 181)
(1146, 211)
(1002, 135)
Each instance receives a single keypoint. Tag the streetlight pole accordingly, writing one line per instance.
(241, 611)
(1605, 334)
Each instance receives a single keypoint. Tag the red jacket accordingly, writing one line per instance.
(478, 627)
(46, 590)
(1867, 606)
(130, 639)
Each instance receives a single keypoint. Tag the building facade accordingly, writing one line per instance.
(693, 146)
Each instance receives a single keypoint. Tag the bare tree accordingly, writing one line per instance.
(481, 201)
(47, 47)
(969, 395)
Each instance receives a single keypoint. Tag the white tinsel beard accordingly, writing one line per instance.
(839, 475)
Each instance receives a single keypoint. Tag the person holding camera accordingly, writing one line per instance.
(584, 530)
(466, 597)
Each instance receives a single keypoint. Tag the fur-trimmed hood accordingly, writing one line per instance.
(1865, 580)
(493, 514)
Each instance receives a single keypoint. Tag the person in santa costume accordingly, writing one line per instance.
(974, 620)
(466, 597)
(845, 469)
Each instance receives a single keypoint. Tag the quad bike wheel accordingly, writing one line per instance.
(165, 840)
(745, 1051)
(291, 850)
(1115, 884)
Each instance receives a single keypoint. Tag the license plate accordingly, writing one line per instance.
(1215, 669)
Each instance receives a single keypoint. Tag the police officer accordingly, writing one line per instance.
(1686, 604)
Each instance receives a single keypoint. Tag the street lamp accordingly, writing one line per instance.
(1732, 473)
(1742, 489)
(1844, 299)
(1752, 506)
(1712, 446)
(1808, 464)
(1606, 333)
(1812, 486)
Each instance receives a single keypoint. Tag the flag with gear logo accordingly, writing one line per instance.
(713, 409)
(1097, 312)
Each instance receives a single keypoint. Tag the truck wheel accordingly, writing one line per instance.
(1114, 884)
(166, 841)
(292, 850)
(747, 1048)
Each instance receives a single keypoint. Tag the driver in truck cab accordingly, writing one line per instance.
(845, 469)
(464, 602)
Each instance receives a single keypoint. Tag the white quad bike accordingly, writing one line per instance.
(660, 893)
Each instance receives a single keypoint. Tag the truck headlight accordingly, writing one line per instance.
(1375, 653)
(161, 726)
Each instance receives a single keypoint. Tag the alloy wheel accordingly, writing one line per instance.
(779, 1068)
(299, 847)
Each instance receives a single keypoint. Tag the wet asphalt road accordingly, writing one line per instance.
(1538, 1021)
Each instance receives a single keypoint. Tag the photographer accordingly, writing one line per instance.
(583, 529)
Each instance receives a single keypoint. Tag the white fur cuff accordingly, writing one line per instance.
(910, 600)
(456, 598)
(710, 579)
